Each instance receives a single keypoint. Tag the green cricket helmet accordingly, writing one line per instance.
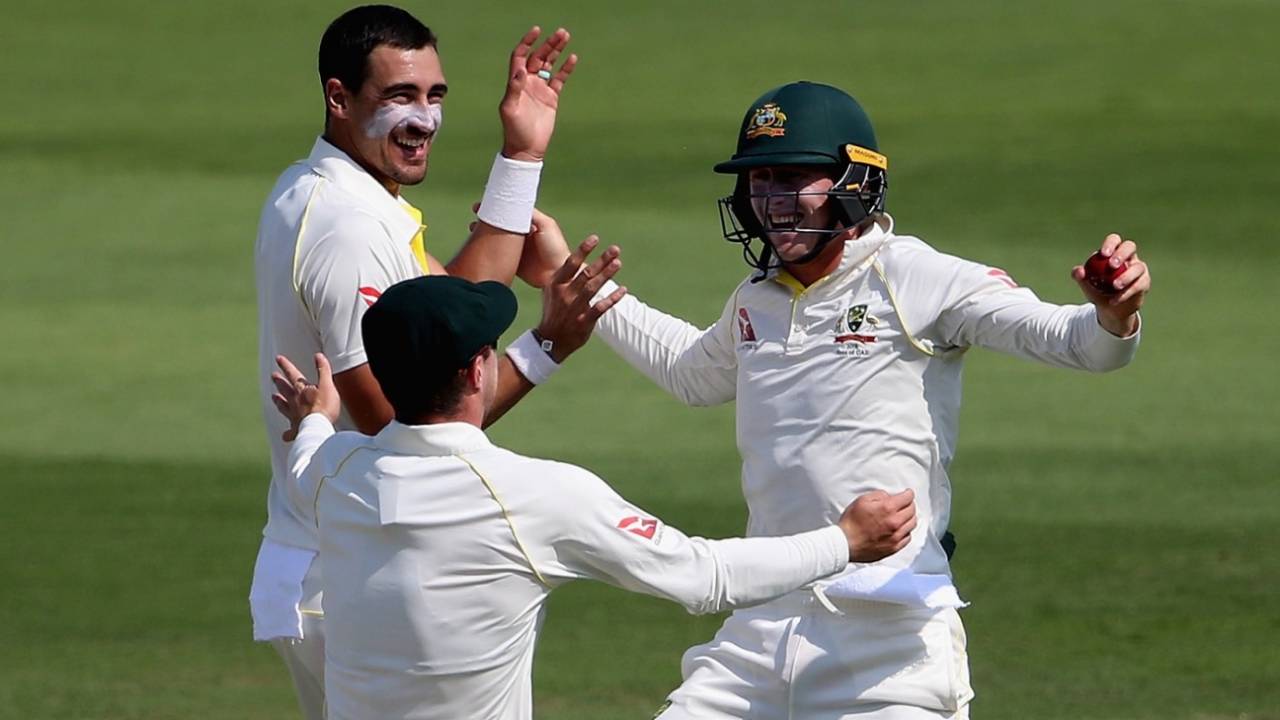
(804, 123)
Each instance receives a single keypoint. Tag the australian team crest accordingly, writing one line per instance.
(769, 120)
(853, 319)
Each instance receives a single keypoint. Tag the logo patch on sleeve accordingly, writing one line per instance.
(745, 331)
(636, 525)
(1002, 276)
(370, 295)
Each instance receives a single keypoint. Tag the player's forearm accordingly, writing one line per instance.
(669, 351)
(489, 254)
(505, 216)
(512, 386)
(312, 432)
(747, 571)
(1067, 336)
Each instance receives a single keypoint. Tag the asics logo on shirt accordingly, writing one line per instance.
(369, 295)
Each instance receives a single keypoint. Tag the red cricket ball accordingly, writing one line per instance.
(1099, 273)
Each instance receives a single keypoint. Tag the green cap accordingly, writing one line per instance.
(423, 330)
(802, 123)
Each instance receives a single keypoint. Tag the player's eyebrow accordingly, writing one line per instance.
(437, 90)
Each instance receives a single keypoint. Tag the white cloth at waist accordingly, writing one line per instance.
(276, 593)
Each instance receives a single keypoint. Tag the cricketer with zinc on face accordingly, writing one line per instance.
(335, 233)
(843, 352)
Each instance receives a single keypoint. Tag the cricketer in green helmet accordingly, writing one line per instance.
(843, 352)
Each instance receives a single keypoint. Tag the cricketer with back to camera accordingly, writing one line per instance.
(843, 352)
(335, 233)
(440, 549)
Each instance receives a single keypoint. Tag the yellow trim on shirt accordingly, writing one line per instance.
(506, 516)
(897, 308)
(297, 241)
(418, 244)
(315, 501)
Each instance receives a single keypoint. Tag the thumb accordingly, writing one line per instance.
(324, 372)
(903, 499)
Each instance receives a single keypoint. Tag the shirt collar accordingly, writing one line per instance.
(337, 167)
(855, 255)
(451, 438)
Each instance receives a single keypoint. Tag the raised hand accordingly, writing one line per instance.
(878, 524)
(528, 109)
(296, 397)
(568, 315)
(1118, 312)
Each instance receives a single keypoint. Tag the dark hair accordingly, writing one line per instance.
(437, 396)
(346, 44)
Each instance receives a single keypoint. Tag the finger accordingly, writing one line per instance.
(572, 263)
(1109, 244)
(1141, 285)
(537, 60)
(324, 372)
(900, 500)
(595, 270)
(604, 305)
(286, 388)
(475, 207)
(905, 530)
(557, 46)
(280, 403)
(521, 52)
(1123, 252)
(557, 82)
(1136, 269)
(601, 275)
(291, 372)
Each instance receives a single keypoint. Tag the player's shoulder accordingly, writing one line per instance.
(341, 445)
(908, 258)
(563, 480)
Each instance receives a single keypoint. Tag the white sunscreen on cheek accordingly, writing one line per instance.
(425, 119)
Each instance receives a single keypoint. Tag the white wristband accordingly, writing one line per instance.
(530, 359)
(510, 194)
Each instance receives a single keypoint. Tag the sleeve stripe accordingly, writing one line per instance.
(897, 308)
(506, 516)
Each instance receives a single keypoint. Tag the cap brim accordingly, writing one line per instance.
(500, 309)
(737, 165)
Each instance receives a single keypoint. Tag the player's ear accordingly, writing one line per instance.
(477, 369)
(336, 99)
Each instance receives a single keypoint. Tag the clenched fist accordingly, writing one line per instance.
(878, 524)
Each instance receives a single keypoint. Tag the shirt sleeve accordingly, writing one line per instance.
(697, 366)
(606, 538)
(304, 474)
(984, 307)
(345, 271)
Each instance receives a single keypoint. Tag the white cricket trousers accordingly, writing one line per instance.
(795, 659)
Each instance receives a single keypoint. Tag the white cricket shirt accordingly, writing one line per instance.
(853, 384)
(439, 550)
(330, 240)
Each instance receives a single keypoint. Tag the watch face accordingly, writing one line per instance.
(546, 345)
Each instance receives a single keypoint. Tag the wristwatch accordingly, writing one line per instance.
(543, 342)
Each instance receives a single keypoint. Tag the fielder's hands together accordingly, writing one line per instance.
(878, 524)
(528, 108)
(1118, 312)
(297, 398)
(568, 315)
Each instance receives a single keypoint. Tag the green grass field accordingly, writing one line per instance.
(1118, 534)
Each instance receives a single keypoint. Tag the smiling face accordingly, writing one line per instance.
(796, 200)
(389, 125)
